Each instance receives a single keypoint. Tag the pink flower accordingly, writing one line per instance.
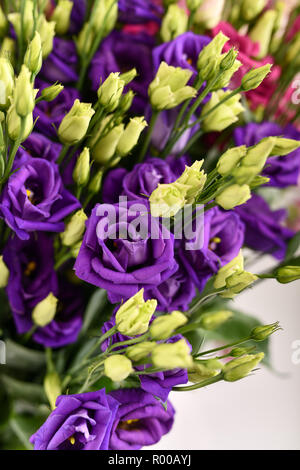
(294, 29)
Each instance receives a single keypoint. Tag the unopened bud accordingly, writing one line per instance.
(4, 273)
(233, 196)
(255, 77)
(163, 327)
(7, 82)
(166, 200)
(95, 184)
(33, 56)
(242, 366)
(262, 32)
(75, 124)
(74, 229)
(250, 9)
(229, 160)
(261, 333)
(131, 135)
(45, 311)
(133, 316)
(81, 171)
(212, 320)
(127, 77)
(117, 367)
(174, 23)
(109, 93)
(61, 16)
(172, 355)
(51, 92)
(47, 33)
(52, 386)
(24, 94)
(288, 274)
(140, 350)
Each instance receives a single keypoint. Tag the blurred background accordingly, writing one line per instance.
(261, 411)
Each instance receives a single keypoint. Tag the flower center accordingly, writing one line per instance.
(30, 268)
(72, 440)
(128, 425)
(214, 242)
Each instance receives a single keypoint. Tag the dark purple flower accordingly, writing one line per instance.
(61, 64)
(79, 422)
(120, 52)
(113, 339)
(49, 113)
(38, 146)
(282, 171)
(77, 16)
(141, 420)
(263, 227)
(139, 11)
(123, 263)
(223, 237)
(35, 199)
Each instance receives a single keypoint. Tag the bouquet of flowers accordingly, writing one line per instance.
(145, 150)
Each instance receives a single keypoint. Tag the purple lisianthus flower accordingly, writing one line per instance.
(31, 276)
(123, 263)
(120, 52)
(61, 64)
(282, 171)
(39, 146)
(49, 113)
(79, 422)
(139, 11)
(35, 199)
(77, 16)
(223, 237)
(263, 227)
(141, 420)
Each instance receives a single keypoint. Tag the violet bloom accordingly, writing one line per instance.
(120, 258)
(77, 16)
(35, 199)
(141, 420)
(263, 227)
(120, 52)
(223, 237)
(79, 422)
(61, 64)
(49, 113)
(39, 146)
(139, 11)
(282, 171)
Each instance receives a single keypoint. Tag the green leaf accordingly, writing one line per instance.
(196, 339)
(293, 246)
(21, 358)
(27, 391)
(94, 308)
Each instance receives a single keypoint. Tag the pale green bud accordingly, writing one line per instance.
(51, 92)
(292, 54)
(242, 366)
(233, 196)
(212, 51)
(288, 274)
(133, 316)
(210, 13)
(283, 146)
(212, 320)
(24, 94)
(261, 333)
(238, 282)
(193, 4)
(193, 180)
(62, 15)
(259, 180)
(235, 265)
(166, 200)
(163, 327)
(74, 229)
(81, 171)
(174, 23)
(95, 184)
(44, 312)
(14, 125)
(3, 23)
(254, 161)
(225, 115)
(52, 387)
(105, 148)
(199, 372)
(250, 9)
(172, 355)
(74, 250)
(131, 135)
(110, 92)
(255, 77)
(75, 124)
(4, 273)
(8, 49)
(104, 12)
(33, 56)
(229, 160)
(85, 40)
(126, 101)
(127, 77)
(140, 350)
(7, 82)
(238, 352)
(28, 20)
(262, 32)
(230, 65)
(47, 33)
(117, 367)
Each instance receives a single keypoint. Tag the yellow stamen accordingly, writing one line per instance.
(31, 266)
(72, 440)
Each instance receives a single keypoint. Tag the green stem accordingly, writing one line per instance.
(62, 154)
(128, 342)
(225, 346)
(144, 149)
(202, 384)
(18, 431)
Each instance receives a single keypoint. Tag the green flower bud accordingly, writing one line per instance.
(210, 13)
(104, 12)
(126, 102)
(259, 180)
(7, 82)
(283, 146)
(262, 32)
(250, 9)
(105, 148)
(95, 184)
(211, 54)
(75, 124)
(255, 77)
(51, 92)
(117, 367)
(230, 65)
(24, 94)
(174, 23)
(238, 352)
(242, 366)
(127, 77)
(193, 5)
(166, 200)
(74, 229)
(261, 333)
(199, 372)
(81, 171)
(233, 196)
(8, 49)
(4, 273)
(212, 320)
(230, 159)
(254, 161)
(62, 15)
(172, 355)
(85, 40)
(47, 33)
(28, 21)
(110, 92)
(288, 274)
(235, 265)
(74, 250)
(52, 386)
(3, 23)
(193, 180)
(238, 282)
(140, 350)
(133, 316)
(163, 327)
(226, 113)
(131, 135)
(14, 125)
(44, 312)
(33, 56)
